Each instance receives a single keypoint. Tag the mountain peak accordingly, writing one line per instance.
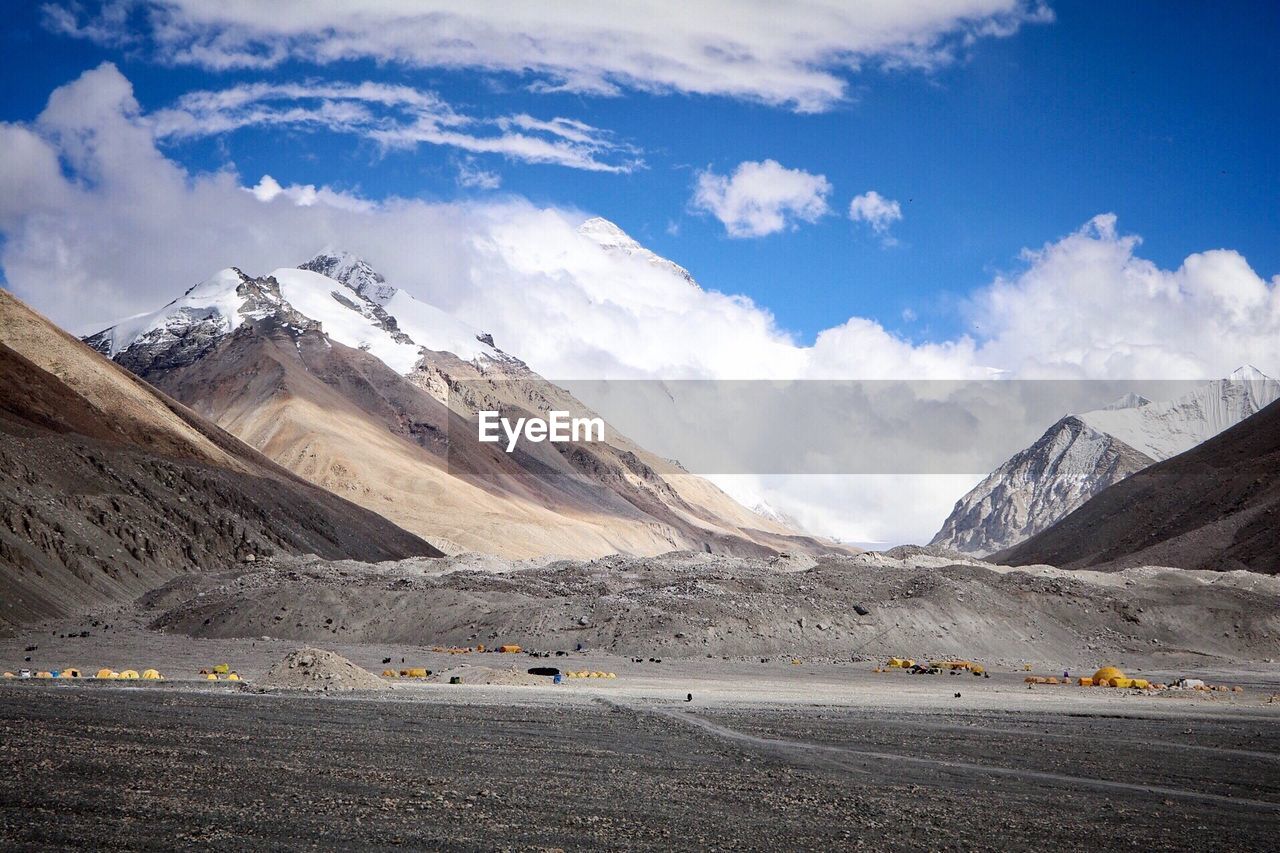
(611, 238)
(353, 271)
(1127, 401)
(608, 235)
(1248, 373)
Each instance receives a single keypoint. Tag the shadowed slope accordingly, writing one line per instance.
(109, 489)
(1217, 506)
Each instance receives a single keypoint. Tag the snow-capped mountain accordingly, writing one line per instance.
(613, 239)
(358, 309)
(1081, 455)
(364, 390)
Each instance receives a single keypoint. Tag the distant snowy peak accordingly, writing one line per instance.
(354, 272)
(772, 513)
(613, 239)
(1128, 401)
(1249, 373)
(609, 235)
(1165, 429)
(398, 331)
(1083, 454)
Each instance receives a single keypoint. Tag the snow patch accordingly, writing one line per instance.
(1162, 430)
(330, 303)
(436, 330)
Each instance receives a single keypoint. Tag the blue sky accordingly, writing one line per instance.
(1060, 190)
(1163, 114)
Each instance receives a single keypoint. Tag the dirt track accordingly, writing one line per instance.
(178, 768)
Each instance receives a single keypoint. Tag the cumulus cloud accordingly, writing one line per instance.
(98, 223)
(395, 117)
(875, 210)
(85, 185)
(762, 198)
(735, 48)
(1088, 305)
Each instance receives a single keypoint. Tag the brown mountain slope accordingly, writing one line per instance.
(109, 489)
(1217, 506)
(344, 420)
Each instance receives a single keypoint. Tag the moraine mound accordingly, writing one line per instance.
(317, 670)
(488, 675)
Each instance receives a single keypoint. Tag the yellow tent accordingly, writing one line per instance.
(233, 677)
(151, 675)
(71, 673)
(211, 677)
(107, 673)
(1104, 675)
(221, 668)
(130, 674)
(44, 674)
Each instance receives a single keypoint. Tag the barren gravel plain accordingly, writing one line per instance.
(730, 724)
(765, 756)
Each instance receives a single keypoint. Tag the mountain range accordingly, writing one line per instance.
(368, 392)
(1081, 455)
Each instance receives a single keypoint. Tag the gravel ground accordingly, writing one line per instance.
(520, 768)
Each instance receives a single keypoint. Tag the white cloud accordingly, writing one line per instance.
(869, 510)
(305, 195)
(98, 223)
(473, 177)
(750, 49)
(394, 117)
(110, 26)
(875, 210)
(762, 198)
(1087, 305)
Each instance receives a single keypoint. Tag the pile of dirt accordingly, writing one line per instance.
(317, 670)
